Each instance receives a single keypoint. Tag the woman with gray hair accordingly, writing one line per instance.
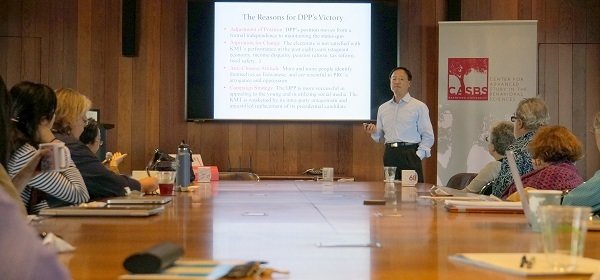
(530, 115)
(501, 136)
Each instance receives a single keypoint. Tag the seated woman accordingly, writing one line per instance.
(501, 135)
(91, 138)
(69, 124)
(33, 107)
(588, 193)
(554, 150)
(531, 114)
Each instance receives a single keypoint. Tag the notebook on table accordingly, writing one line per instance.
(495, 206)
(153, 199)
(108, 210)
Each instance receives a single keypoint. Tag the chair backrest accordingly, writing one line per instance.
(238, 176)
(460, 180)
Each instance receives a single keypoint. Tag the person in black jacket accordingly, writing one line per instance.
(68, 126)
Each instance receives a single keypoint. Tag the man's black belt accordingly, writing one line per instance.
(400, 144)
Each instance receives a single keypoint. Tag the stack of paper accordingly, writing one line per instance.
(483, 206)
(511, 263)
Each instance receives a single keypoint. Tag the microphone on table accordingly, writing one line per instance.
(107, 158)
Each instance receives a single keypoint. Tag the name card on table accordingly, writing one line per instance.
(409, 178)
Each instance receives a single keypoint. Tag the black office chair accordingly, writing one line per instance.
(238, 176)
(460, 181)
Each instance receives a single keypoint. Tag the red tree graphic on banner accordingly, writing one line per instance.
(462, 67)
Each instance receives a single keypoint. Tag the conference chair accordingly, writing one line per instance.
(238, 176)
(460, 180)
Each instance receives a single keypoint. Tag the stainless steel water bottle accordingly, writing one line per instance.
(184, 167)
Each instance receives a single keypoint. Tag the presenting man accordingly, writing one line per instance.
(403, 124)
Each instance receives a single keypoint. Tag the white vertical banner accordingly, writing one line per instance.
(485, 69)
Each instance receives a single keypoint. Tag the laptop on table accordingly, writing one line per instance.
(107, 210)
(144, 199)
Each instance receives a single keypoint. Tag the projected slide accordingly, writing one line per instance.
(292, 61)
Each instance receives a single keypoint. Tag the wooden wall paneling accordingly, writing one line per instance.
(263, 142)
(29, 18)
(580, 124)
(593, 21)
(55, 38)
(304, 136)
(403, 7)
(552, 21)
(367, 156)
(234, 151)
(565, 85)
(111, 97)
(249, 144)
(98, 47)
(84, 46)
(469, 10)
(331, 145)
(580, 16)
(541, 68)
(429, 76)
(14, 61)
(41, 30)
(3, 56)
(172, 126)
(14, 18)
(121, 137)
(525, 10)
(566, 17)
(592, 101)
(551, 78)
(32, 59)
(147, 80)
(539, 14)
(70, 54)
(504, 9)
(276, 147)
(319, 150)
(292, 139)
(344, 152)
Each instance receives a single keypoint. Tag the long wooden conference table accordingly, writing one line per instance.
(314, 230)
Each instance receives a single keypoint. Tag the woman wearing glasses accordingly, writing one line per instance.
(531, 114)
(588, 193)
(68, 126)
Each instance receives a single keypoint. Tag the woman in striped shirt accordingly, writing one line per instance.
(33, 107)
(588, 193)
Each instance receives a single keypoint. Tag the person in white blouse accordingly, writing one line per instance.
(501, 136)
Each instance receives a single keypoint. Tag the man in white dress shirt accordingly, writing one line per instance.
(403, 124)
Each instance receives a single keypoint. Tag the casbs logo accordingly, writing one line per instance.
(468, 78)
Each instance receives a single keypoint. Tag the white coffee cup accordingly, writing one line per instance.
(409, 177)
(57, 159)
(328, 174)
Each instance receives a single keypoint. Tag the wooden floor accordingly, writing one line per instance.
(291, 223)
